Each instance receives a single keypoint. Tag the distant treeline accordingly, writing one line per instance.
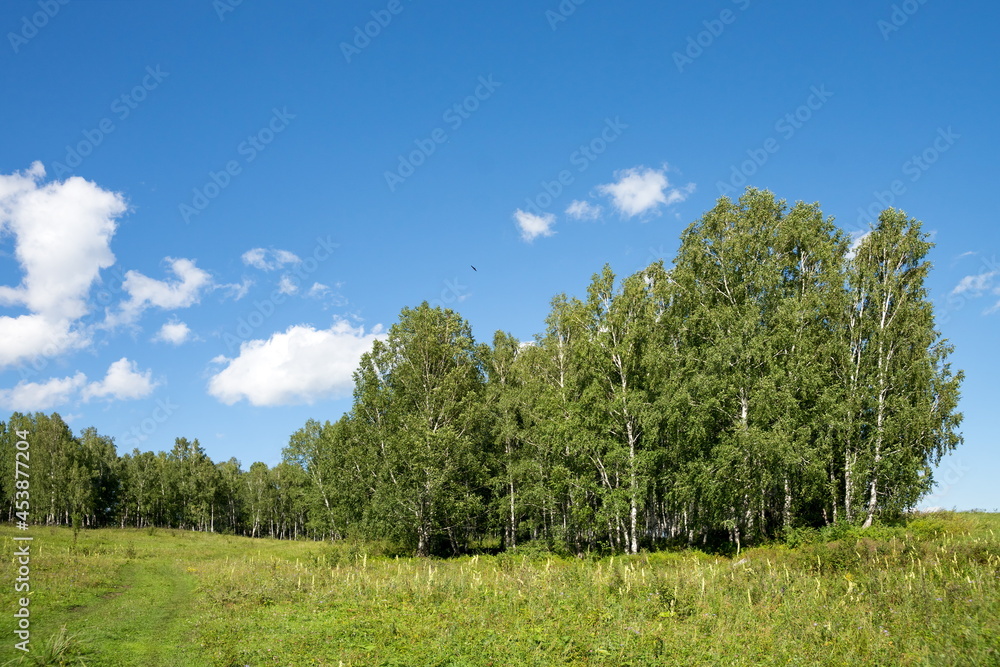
(778, 375)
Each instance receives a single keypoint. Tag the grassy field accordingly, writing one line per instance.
(923, 594)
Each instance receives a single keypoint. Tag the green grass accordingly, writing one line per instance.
(922, 594)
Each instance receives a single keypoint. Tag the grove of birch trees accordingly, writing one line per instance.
(775, 375)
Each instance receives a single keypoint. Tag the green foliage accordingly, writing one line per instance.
(419, 414)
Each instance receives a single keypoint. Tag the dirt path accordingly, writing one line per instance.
(149, 621)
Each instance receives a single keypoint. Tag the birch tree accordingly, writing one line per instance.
(903, 393)
(425, 383)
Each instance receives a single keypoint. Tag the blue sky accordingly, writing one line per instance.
(209, 209)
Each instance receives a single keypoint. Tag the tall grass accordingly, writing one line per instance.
(924, 593)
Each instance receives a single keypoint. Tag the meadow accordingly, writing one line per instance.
(921, 593)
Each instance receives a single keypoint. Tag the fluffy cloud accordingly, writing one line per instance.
(145, 292)
(640, 190)
(532, 226)
(62, 234)
(582, 210)
(122, 381)
(319, 290)
(301, 365)
(979, 284)
(287, 286)
(976, 285)
(30, 336)
(175, 333)
(236, 290)
(38, 396)
(269, 260)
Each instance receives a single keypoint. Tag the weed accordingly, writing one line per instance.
(60, 649)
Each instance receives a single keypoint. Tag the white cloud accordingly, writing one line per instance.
(301, 365)
(978, 284)
(582, 210)
(38, 396)
(31, 336)
(62, 233)
(640, 190)
(123, 381)
(255, 258)
(328, 294)
(318, 290)
(857, 238)
(174, 333)
(287, 285)
(145, 292)
(258, 258)
(237, 290)
(532, 226)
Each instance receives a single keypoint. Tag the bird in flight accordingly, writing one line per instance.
(474, 268)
